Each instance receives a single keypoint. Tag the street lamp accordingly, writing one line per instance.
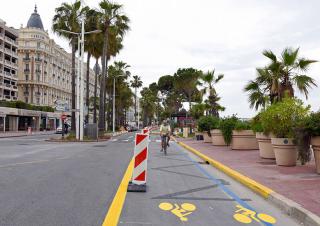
(114, 102)
(79, 107)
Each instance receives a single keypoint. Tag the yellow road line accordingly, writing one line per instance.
(115, 208)
(252, 184)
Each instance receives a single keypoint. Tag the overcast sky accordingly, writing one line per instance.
(227, 35)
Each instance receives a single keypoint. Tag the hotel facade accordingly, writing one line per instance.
(37, 71)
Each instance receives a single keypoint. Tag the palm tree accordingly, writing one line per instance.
(114, 25)
(118, 73)
(277, 80)
(292, 72)
(67, 17)
(91, 23)
(136, 83)
(209, 81)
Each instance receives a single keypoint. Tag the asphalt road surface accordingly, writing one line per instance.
(183, 190)
(53, 184)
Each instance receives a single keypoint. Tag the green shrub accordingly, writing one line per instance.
(22, 105)
(242, 125)
(207, 123)
(226, 126)
(303, 131)
(256, 124)
(280, 118)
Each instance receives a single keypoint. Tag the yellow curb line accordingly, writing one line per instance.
(113, 215)
(248, 182)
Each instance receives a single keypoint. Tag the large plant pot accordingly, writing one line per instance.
(206, 137)
(217, 138)
(265, 146)
(285, 151)
(244, 140)
(315, 142)
(199, 136)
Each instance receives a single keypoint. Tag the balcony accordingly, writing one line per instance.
(8, 85)
(14, 98)
(26, 93)
(27, 71)
(38, 71)
(26, 59)
(37, 59)
(8, 51)
(7, 73)
(14, 87)
(38, 93)
(7, 62)
(7, 97)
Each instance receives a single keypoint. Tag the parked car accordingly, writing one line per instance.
(59, 130)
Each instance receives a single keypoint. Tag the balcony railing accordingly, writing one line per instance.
(8, 85)
(14, 98)
(38, 93)
(26, 93)
(7, 73)
(27, 70)
(38, 59)
(38, 71)
(15, 87)
(26, 58)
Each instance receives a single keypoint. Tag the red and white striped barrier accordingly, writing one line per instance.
(139, 175)
(146, 131)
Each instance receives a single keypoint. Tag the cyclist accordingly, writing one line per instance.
(165, 131)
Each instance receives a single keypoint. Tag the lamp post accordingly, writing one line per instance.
(79, 110)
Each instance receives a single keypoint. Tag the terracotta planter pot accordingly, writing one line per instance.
(265, 146)
(244, 140)
(206, 137)
(217, 138)
(315, 142)
(285, 151)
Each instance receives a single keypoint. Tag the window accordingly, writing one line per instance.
(26, 99)
(38, 45)
(27, 66)
(38, 101)
(27, 77)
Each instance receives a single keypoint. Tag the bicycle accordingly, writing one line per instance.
(246, 216)
(164, 143)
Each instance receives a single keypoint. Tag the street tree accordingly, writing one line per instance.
(114, 24)
(209, 80)
(67, 17)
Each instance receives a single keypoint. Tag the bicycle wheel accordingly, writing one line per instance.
(242, 218)
(267, 218)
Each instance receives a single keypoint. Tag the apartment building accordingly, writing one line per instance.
(8, 62)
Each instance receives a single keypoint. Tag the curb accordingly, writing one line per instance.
(27, 135)
(290, 207)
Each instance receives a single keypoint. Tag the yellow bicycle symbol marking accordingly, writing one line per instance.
(180, 211)
(246, 216)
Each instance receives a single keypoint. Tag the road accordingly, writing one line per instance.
(43, 183)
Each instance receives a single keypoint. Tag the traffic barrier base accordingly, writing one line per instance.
(136, 187)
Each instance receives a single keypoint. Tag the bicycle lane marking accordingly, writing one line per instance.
(221, 185)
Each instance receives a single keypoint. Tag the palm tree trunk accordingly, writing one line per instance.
(102, 125)
(73, 84)
(87, 85)
(95, 94)
(135, 106)
(101, 96)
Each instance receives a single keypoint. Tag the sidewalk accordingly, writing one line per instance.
(300, 184)
(24, 133)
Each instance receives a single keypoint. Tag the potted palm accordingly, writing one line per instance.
(280, 119)
(243, 137)
(264, 140)
(226, 125)
(205, 124)
(315, 140)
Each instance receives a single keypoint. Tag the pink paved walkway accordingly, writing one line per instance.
(300, 184)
